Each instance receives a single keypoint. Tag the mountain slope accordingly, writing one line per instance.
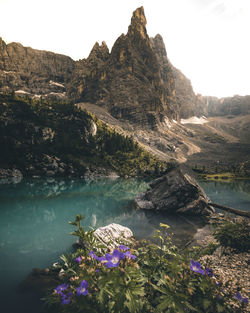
(55, 138)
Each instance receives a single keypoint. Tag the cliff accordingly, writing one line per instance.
(236, 105)
(33, 71)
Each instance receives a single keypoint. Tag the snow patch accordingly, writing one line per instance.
(56, 84)
(36, 97)
(56, 94)
(167, 122)
(8, 72)
(22, 92)
(194, 120)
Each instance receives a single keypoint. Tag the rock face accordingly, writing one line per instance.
(33, 71)
(175, 192)
(129, 81)
(236, 105)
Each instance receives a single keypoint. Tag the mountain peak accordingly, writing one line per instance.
(138, 23)
(139, 14)
(99, 51)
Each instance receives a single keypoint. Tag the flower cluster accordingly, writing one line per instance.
(196, 267)
(109, 260)
(66, 297)
(113, 260)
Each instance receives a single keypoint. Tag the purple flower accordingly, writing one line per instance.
(82, 290)
(101, 259)
(59, 289)
(97, 271)
(92, 254)
(124, 248)
(239, 297)
(66, 298)
(78, 259)
(196, 267)
(114, 259)
(98, 258)
(129, 255)
(209, 272)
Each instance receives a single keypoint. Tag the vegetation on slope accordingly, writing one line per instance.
(41, 137)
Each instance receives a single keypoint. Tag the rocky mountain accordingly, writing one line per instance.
(136, 90)
(33, 71)
(236, 105)
(133, 82)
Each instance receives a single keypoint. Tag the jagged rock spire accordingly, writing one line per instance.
(138, 23)
(99, 51)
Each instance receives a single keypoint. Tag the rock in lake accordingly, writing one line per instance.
(175, 192)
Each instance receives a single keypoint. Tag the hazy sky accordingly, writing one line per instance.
(208, 40)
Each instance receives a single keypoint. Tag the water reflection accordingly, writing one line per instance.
(234, 194)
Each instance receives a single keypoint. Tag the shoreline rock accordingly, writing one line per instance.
(175, 193)
(10, 176)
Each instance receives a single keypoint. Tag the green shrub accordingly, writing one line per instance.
(235, 235)
(146, 277)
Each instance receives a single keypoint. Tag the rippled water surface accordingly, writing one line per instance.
(34, 229)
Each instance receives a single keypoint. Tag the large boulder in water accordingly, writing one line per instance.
(175, 192)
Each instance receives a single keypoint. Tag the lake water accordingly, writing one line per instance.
(234, 194)
(34, 229)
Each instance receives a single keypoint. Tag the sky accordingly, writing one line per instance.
(208, 40)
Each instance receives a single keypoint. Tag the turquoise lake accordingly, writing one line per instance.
(34, 229)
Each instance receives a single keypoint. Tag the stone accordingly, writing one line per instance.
(10, 176)
(113, 234)
(173, 193)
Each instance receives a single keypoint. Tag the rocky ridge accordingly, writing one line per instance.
(33, 71)
(135, 81)
(129, 81)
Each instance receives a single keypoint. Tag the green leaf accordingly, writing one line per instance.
(219, 308)
(206, 303)
(162, 290)
(191, 307)
(162, 306)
